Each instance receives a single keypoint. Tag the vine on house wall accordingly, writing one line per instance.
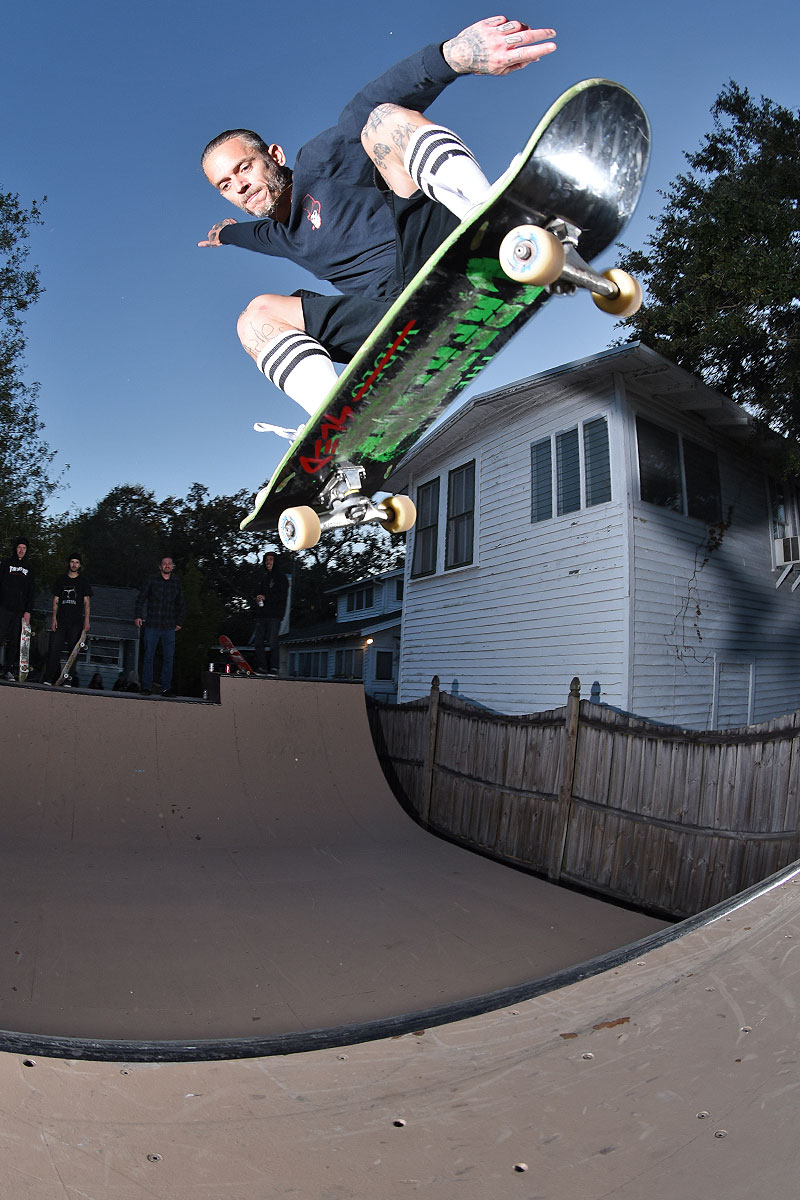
(686, 637)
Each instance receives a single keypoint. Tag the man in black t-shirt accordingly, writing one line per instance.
(365, 233)
(70, 617)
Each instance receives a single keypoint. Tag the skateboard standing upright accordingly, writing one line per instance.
(70, 663)
(563, 201)
(236, 655)
(24, 650)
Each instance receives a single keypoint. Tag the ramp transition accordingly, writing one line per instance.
(664, 1070)
(186, 872)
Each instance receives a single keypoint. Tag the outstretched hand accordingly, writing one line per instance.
(213, 233)
(497, 46)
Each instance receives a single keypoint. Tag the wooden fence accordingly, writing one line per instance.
(668, 819)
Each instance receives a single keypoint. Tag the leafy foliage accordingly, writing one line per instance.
(722, 269)
(122, 539)
(25, 459)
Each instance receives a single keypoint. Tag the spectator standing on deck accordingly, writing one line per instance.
(268, 608)
(70, 617)
(160, 608)
(16, 602)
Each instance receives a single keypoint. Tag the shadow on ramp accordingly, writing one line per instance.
(664, 1070)
(188, 880)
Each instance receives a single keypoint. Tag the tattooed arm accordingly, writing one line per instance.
(214, 232)
(497, 46)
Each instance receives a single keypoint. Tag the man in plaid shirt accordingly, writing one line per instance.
(160, 606)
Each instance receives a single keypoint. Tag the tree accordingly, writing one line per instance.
(723, 266)
(121, 539)
(340, 557)
(206, 531)
(25, 459)
(199, 632)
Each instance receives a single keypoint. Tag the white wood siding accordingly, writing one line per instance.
(703, 621)
(384, 598)
(624, 595)
(384, 641)
(542, 602)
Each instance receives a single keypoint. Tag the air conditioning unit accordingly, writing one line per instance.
(787, 551)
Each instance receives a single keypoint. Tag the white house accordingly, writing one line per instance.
(361, 643)
(613, 519)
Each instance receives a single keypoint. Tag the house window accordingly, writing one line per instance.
(597, 462)
(384, 662)
(703, 493)
(359, 599)
(783, 509)
(582, 476)
(104, 651)
(349, 664)
(426, 529)
(568, 472)
(460, 516)
(399, 585)
(541, 481)
(309, 664)
(677, 473)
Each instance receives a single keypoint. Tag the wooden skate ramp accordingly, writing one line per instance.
(189, 873)
(667, 1071)
(668, 1077)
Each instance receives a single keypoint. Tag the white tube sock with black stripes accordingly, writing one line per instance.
(300, 367)
(442, 166)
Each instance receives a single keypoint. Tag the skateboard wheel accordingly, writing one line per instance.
(530, 254)
(402, 513)
(629, 294)
(299, 528)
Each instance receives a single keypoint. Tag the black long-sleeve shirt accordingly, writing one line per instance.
(340, 228)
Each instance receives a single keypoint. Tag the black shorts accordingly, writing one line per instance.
(342, 323)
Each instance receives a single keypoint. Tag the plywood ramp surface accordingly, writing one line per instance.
(186, 871)
(672, 1075)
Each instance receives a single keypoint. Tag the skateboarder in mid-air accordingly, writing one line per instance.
(365, 205)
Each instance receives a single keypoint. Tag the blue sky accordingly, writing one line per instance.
(105, 109)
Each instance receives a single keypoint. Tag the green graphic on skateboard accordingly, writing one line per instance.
(563, 201)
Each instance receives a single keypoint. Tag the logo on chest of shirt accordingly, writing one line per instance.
(312, 210)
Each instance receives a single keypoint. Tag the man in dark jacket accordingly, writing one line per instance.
(160, 607)
(16, 601)
(268, 608)
(327, 214)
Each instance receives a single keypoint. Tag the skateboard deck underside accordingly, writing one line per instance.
(235, 653)
(71, 659)
(584, 163)
(24, 651)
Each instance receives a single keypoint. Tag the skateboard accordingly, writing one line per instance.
(70, 663)
(564, 199)
(24, 650)
(235, 654)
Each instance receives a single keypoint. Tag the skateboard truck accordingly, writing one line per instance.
(549, 257)
(344, 505)
(565, 200)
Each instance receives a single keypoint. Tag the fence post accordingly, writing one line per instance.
(430, 753)
(564, 802)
